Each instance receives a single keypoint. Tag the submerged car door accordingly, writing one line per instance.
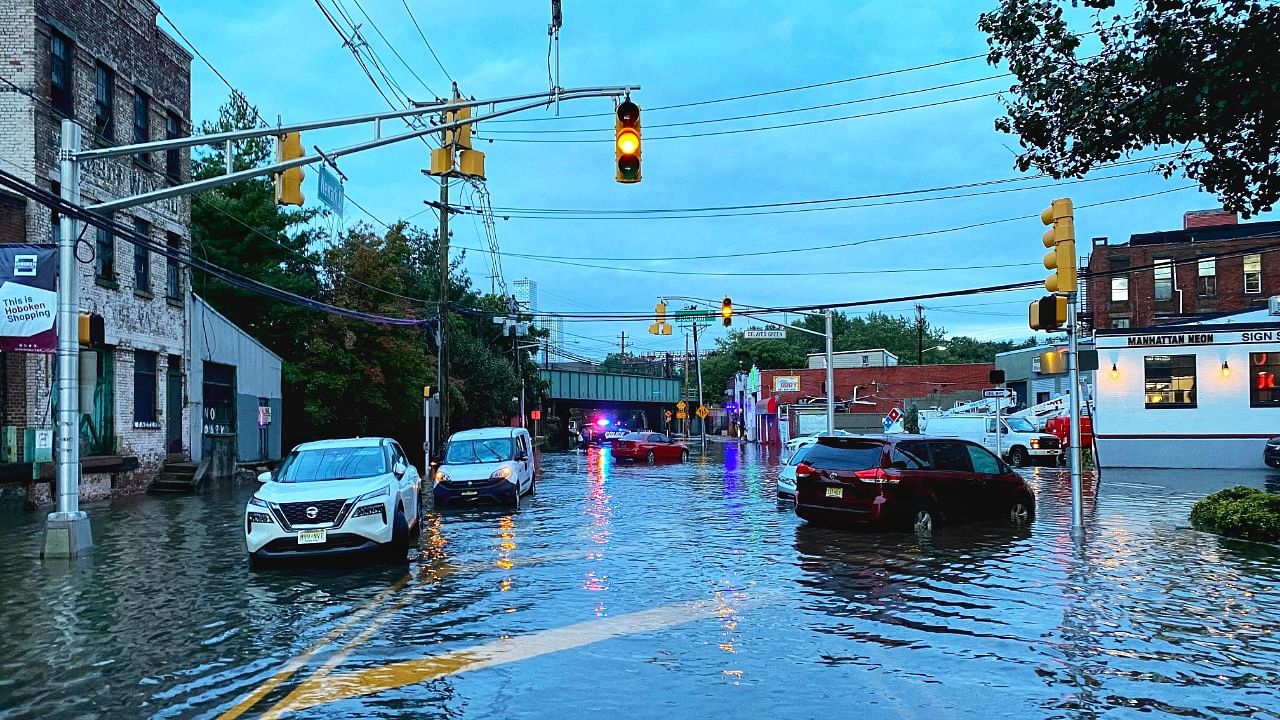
(526, 465)
(406, 484)
(951, 477)
(663, 448)
(986, 480)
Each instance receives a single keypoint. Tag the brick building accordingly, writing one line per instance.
(879, 389)
(1203, 283)
(105, 64)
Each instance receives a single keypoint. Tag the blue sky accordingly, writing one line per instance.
(288, 60)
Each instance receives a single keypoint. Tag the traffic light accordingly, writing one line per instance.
(1047, 313)
(726, 312)
(626, 146)
(93, 329)
(289, 182)
(1061, 241)
(428, 391)
(660, 325)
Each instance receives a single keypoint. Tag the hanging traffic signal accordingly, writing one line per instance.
(1047, 313)
(289, 182)
(726, 312)
(626, 146)
(1061, 241)
(93, 329)
(660, 325)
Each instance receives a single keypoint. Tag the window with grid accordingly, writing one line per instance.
(104, 91)
(145, 386)
(1164, 278)
(1170, 381)
(172, 271)
(1122, 322)
(141, 123)
(61, 58)
(1207, 277)
(1264, 391)
(104, 261)
(141, 258)
(1253, 274)
(1119, 289)
(173, 157)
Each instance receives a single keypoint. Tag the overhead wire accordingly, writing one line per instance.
(426, 42)
(393, 49)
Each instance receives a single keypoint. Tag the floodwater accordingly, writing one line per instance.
(654, 592)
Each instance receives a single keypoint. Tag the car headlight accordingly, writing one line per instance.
(1035, 443)
(259, 502)
(441, 477)
(502, 473)
(380, 492)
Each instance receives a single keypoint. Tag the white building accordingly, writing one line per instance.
(1197, 394)
(854, 359)
(526, 294)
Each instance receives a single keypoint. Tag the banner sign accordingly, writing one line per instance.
(28, 298)
(786, 383)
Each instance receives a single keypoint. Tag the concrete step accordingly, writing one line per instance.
(172, 482)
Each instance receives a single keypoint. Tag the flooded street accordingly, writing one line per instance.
(654, 592)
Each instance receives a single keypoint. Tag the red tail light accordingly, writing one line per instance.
(875, 475)
(803, 469)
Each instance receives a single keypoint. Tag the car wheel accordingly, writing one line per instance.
(1022, 512)
(924, 522)
(255, 562)
(684, 456)
(650, 457)
(416, 533)
(397, 550)
(1018, 457)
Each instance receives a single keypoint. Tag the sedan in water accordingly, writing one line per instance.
(650, 447)
(907, 480)
(335, 497)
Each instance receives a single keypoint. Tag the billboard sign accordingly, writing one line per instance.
(28, 298)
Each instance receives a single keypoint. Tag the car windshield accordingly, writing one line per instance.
(1020, 425)
(636, 436)
(333, 463)
(470, 452)
(841, 454)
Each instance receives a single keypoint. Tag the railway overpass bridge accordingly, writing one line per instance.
(610, 392)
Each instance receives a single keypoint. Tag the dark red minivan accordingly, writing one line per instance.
(907, 481)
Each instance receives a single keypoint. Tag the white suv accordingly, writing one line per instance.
(335, 497)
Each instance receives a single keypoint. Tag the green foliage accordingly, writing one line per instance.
(1239, 512)
(911, 420)
(1195, 76)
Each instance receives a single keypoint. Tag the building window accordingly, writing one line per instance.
(1207, 277)
(1263, 388)
(1120, 323)
(1252, 274)
(61, 59)
(104, 261)
(1171, 381)
(145, 385)
(141, 123)
(219, 398)
(1119, 289)
(98, 424)
(1164, 279)
(173, 272)
(142, 258)
(172, 157)
(104, 93)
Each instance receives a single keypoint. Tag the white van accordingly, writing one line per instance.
(486, 465)
(1020, 443)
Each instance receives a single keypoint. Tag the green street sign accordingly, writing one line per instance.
(330, 190)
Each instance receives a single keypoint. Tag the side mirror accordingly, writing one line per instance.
(399, 469)
(521, 455)
(264, 477)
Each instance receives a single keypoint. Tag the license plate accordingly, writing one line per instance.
(835, 492)
(310, 537)
(470, 492)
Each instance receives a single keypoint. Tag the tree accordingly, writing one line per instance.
(1196, 76)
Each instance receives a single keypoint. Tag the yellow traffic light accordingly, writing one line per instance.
(660, 325)
(1047, 313)
(626, 146)
(92, 329)
(289, 182)
(428, 391)
(1061, 241)
(726, 312)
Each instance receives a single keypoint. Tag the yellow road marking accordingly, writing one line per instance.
(298, 661)
(295, 664)
(313, 691)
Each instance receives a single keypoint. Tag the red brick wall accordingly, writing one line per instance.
(1143, 310)
(13, 220)
(886, 386)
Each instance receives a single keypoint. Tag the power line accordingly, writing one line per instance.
(804, 123)
(395, 52)
(425, 41)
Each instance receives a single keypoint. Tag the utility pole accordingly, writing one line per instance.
(444, 307)
(697, 358)
(919, 334)
(622, 350)
(1073, 368)
(685, 396)
(831, 373)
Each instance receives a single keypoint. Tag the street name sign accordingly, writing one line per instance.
(329, 188)
(765, 334)
(997, 393)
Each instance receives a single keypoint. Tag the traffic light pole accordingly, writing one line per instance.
(831, 375)
(697, 358)
(1073, 368)
(66, 532)
(443, 334)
